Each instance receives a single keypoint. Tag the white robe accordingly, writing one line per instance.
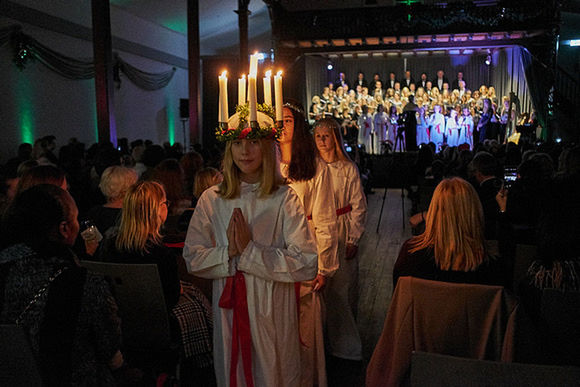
(380, 128)
(422, 130)
(341, 293)
(451, 132)
(282, 251)
(437, 123)
(318, 201)
(365, 124)
(466, 133)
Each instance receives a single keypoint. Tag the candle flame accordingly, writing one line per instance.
(224, 73)
(279, 73)
(243, 76)
(268, 73)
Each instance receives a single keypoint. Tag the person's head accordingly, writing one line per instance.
(42, 174)
(115, 181)
(376, 76)
(145, 209)
(460, 75)
(170, 174)
(378, 85)
(407, 74)
(303, 156)
(412, 88)
(465, 110)
(491, 91)
(461, 84)
(40, 215)
(483, 90)
(440, 74)
(436, 108)
(341, 76)
(325, 90)
(205, 178)
(454, 227)
(360, 75)
(397, 86)
(329, 140)
(250, 161)
(392, 76)
(429, 85)
(423, 76)
(339, 91)
(484, 166)
(486, 105)
(393, 110)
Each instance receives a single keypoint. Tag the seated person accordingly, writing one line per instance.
(73, 327)
(138, 240)
(452, 248)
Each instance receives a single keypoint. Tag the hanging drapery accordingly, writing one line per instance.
(143, 79)
(25, 47)
(539, 87)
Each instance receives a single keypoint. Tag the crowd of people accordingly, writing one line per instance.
(274, 224)
(399, 114)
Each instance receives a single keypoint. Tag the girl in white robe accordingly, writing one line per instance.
(365, 127)
(451, 129)
(250, 235)
(310, 177)
(422, 127)
(343, 339)
(466, 128)
(380, 128)
(437, 127)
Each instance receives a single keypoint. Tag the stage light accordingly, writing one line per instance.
(575, 43)
(488, 60)
(329, 66)
(558, 140)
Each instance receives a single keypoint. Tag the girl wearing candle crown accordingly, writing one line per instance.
(310, 178)
(250, 235)
(343, 339)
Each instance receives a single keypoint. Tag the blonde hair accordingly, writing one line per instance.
(203, 180)
(270, 178)
(454, 227)
(140, 220)
(330, 123)
(116, 180)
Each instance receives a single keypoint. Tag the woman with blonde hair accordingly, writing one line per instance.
(138, 240)
(343, 339)
(452, 248)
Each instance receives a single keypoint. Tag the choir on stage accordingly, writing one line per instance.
(447, 114)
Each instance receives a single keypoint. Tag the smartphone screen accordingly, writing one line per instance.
(510, 175)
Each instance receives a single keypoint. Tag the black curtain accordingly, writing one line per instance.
(538, 83)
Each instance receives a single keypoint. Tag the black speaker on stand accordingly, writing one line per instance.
(184, 115)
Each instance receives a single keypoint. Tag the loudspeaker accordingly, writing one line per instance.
(184, 108)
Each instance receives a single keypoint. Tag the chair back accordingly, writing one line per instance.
(430, 369)
(139, 295)
(560, 326)
(465, 320)
(18, 366)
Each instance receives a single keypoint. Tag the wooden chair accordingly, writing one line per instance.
(430, 369)
(18, 365)
(146, 333)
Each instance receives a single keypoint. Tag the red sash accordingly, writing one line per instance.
(234, 297)
(339, 211)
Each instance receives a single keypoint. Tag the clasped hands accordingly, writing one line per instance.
(238, 233)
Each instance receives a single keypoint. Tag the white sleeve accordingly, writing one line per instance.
(295, 262)
(202, 256)
(358, 201)
(324, 220)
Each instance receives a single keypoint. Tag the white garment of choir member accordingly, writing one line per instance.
(437, 124)
(380, 128)
(365, 125)
(310, 178)
(451, 129)
(343, 339)
(250, 235)
(422, 127)
(466, 128)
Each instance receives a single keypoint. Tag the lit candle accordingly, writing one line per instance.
(242, 90)
(254, 64)
(252, 97)
(223, 106)
(268, 88)
(278, 95)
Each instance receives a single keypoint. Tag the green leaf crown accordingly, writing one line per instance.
(243, 129)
